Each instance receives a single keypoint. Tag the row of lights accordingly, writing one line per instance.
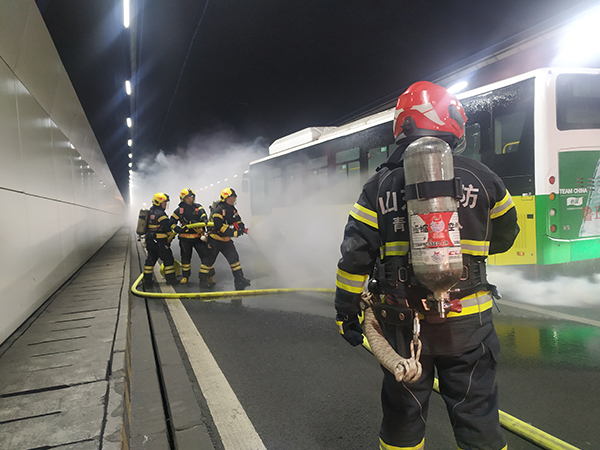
(129, 122)
(218, 182)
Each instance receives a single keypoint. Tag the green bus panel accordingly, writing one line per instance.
(578, 194)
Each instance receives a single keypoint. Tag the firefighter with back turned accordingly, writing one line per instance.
(157, 241)
(463, 345)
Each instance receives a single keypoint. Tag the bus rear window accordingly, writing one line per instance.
(578, 101)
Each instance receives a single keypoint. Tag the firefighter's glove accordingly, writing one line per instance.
(240, 228)
(350, 329)
(177, 229)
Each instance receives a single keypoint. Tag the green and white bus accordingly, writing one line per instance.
(539, 131)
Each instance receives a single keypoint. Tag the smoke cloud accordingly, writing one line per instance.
(295, 245)
(516, 284)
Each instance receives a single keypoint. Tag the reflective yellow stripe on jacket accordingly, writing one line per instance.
(474, 304)
(349, 282)
(364, 215)
(394, 248)
(502, 206)
(475, 248)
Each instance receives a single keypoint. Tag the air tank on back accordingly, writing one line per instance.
(436, 254)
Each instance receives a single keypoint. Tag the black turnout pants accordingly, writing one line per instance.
(187, 246)
(159, 248)
(467, 383)
(227, 248)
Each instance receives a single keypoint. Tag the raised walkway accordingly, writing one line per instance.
(96, 368)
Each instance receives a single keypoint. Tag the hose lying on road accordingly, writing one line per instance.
(408, 370)
(210, 296)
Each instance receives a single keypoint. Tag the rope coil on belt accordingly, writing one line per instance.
(403, 369)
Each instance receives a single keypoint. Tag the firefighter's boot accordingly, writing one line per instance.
(204, 283)
(185, 273)
(170, 276)
(239, 281)
(148, 280)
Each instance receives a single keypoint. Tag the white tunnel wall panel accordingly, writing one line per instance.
(64, 107)
(68, 243)
(17, 301)
(46, 239)
(11, 169)
(38, 63)
(13, 18)
(64, 212)
(36, 147)
(63, 165)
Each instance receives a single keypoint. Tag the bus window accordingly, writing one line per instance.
(501, 121)
(347, 155)
(577, 101)
(274, 191)
(473, 138)
(293, 181)
(507, 132)
(377, 156)
(258, 196)
(273, 186)
(317, 177)
(347, 174)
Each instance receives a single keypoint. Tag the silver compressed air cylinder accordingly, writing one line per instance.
(436, 254)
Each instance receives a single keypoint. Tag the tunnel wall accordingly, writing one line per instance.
(58, 198)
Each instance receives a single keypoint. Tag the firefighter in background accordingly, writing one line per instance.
(227, 224)
(464, 346)
(157, 241)
(190, 238)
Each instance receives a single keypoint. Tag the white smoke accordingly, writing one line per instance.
(207, 165)
(514, 284)
(295, 245)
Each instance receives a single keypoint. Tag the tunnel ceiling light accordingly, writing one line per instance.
(130, 142)
(130, 155)
(128, 87)
(130, 164)
(126, 13)
(458, 87)
(129, 122)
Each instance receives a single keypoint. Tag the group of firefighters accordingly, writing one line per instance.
(190, 222)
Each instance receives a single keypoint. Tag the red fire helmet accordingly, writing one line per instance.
(426, 109)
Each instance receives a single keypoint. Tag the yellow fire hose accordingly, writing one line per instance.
(209, 296)
(526, 431)
(189, 226)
